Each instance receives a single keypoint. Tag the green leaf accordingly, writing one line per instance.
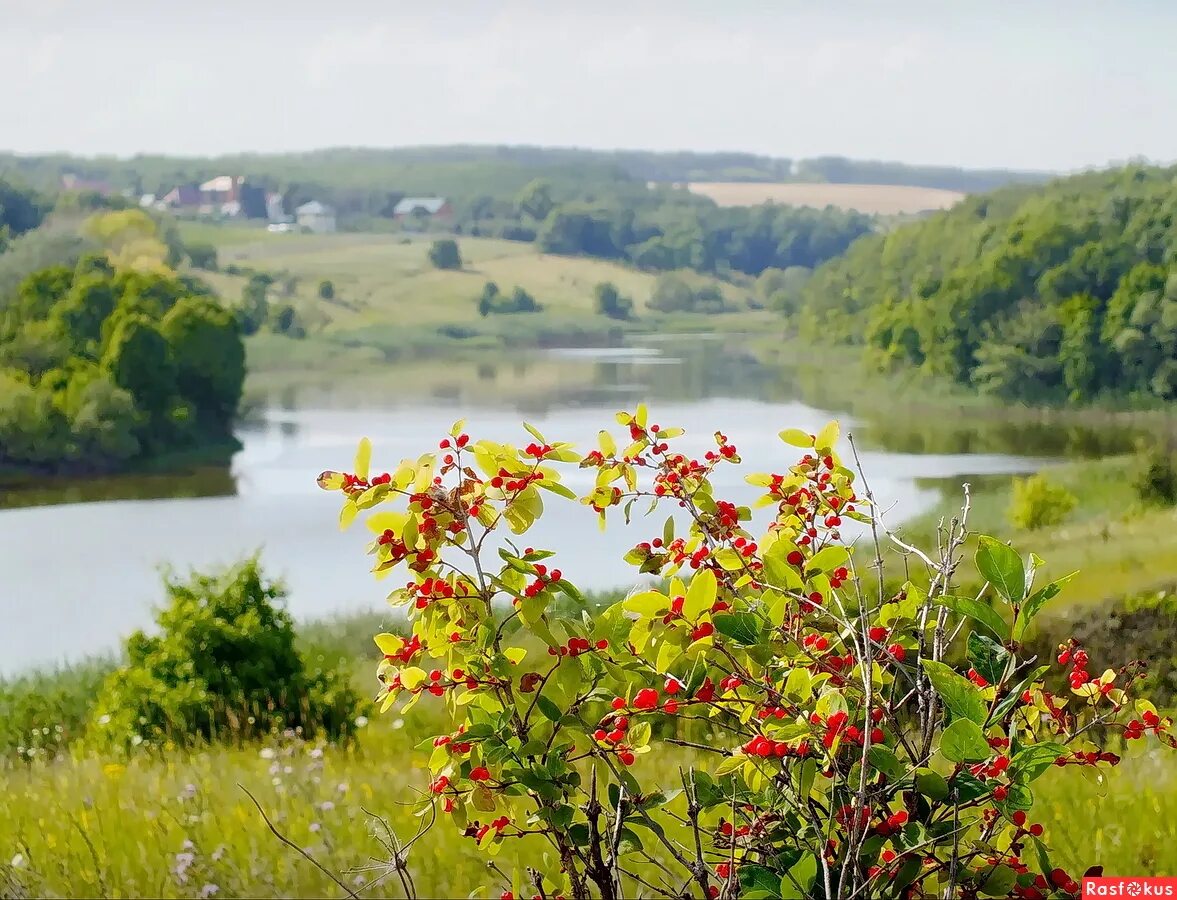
(802, 874)
(827, 559)
(979, 612)
(1030, 762)
(780, 573)
(1015, 696)
(827, 437)
(884, 759)
(931, 784)
(701, 594)
(964, 741)
(1001, 567)
(960, 696)
(1000, 882)
(744, 628)
(1034, 604)
(548, 708)
(758, 878)
(988, 657)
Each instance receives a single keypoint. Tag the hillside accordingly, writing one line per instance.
(872, 199)
(1031, 293)
(388, 302)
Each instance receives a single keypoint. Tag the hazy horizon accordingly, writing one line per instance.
(1056, 87)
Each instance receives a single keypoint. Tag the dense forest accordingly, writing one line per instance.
(115, 358)
(840, 170)
(1063, 292)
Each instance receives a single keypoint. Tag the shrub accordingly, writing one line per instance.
(223, 664)
(1038, 503)
(609, 302)
(202, 256)
(840, 748)
(326, 290)
(675, 293)
(492, 301)
(1156, 485)
(444, 254)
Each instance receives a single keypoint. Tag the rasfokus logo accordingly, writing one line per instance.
(1130, 887)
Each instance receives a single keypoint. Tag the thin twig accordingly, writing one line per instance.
(289, 843)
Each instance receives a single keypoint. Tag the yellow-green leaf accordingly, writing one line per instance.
(363, 458)
(827, 438)
(701, 594)
(795, 437)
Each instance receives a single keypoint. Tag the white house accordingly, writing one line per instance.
(315, 217)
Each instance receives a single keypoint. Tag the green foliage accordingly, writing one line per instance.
(21, 210)
(254, 310)
(1062, 292)
(283, 319)
(609, 302)
(444, 254)
(535, 200)
(206, 346)
(105, 365)
(1039, 503)
(326, 290)
(492, 301)
(202, 255)
(1156, 483)
(677, 293)
(224, 663)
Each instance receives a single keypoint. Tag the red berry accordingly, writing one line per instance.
(626, 757)
(618, 703)
(795, 558)
(479, 774)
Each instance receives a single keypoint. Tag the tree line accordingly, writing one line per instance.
(1063, 292)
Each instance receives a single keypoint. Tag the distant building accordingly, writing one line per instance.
(276, 208)
(72, 182)
(423, 207)
(184, 197)
(315, 217)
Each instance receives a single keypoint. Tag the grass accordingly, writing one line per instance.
(176, 823)
(1116, 545)
(883, 199)
(388, 295)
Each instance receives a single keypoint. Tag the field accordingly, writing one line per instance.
(881, 199)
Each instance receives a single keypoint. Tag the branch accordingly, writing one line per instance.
(289, 843)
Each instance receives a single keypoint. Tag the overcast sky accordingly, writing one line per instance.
(1045, 84)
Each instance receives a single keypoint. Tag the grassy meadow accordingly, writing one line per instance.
(391, 305)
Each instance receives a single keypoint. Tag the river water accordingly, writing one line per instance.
(80, 563)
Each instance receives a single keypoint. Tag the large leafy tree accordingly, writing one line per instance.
(205, 341)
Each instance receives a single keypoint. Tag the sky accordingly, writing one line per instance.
(1038, 84)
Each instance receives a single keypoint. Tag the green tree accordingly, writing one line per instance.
(205, 342)
(488, 299)
(140, 360)
(255, 305)
(444, 254)
(326, 290)
(83, 310)
(202, 256)
(32, 428)
(535, 200)
(610, 303)
(103, 420)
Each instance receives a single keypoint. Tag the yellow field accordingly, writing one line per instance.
(883, 199)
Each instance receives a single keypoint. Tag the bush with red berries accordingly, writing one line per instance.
(836, 749)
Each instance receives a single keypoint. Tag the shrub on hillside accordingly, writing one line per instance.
(1156, 485)
(224, 664)
(675, 293)
(492, 301)
(1039, 503)
(609, 301)
(444, 254)
(202, 256)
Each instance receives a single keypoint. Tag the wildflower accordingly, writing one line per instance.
(208, 890)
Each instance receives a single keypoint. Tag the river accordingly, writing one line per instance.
(80, 563)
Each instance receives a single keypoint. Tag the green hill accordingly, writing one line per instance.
(1059, 292)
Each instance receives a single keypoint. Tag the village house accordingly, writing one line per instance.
(422, 207)
(315, 217)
